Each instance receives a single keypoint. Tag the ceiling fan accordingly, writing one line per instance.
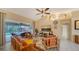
(43, 11)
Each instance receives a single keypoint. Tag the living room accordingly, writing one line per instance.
(49, 29)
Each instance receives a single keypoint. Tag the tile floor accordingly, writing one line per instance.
(67, 45)
(7, 47)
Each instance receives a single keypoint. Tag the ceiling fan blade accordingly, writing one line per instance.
(38, 10)
(46, 9)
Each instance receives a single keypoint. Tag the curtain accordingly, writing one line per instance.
(2, 36)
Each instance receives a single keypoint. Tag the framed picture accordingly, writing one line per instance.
(76, 24)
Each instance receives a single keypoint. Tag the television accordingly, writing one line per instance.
(46, 29)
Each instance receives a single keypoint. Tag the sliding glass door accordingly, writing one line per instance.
(16, 28)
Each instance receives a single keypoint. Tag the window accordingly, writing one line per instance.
(16, 28)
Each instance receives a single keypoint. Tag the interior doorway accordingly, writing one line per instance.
(65, 31)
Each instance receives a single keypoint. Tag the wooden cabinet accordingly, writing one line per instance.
(51, 42)
(76, 39)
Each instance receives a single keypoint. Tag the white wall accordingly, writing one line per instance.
(41, 23)
(75, 16)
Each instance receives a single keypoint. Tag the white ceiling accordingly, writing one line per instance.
(31, 12)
